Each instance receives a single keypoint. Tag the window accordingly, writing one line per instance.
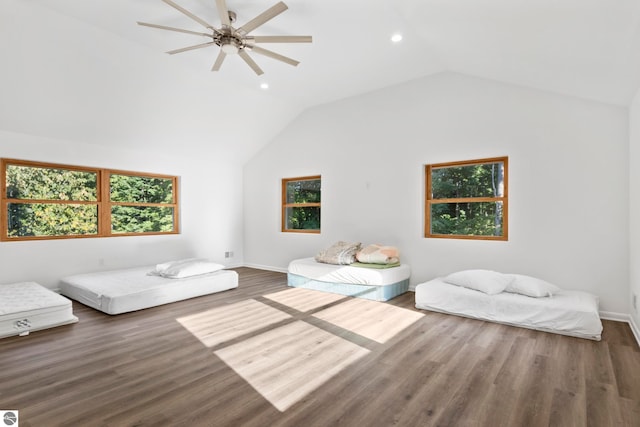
(141, 204)
(467, 200)
(48, 201)
(301, 204)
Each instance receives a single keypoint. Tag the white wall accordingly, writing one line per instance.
(211, 213)
(69, 90)
(62, 78)
(634, 212)
(568, 181)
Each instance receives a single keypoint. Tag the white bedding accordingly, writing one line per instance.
(571, 313)
(121, 291)
(28, 306)
(308, 267)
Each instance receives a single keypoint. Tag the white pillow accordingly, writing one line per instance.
(531, 286)
(171, 264)
(487, 281)
(186, 268)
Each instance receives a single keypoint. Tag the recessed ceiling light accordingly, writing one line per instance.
(264, 86)
(396, 38)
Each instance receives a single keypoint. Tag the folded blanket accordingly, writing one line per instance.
(342, 253)
(378, 254)
(365, 265)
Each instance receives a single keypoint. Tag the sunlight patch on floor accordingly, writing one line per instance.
(287, 363)
(218, 325)
(304, 300)
(371, 319)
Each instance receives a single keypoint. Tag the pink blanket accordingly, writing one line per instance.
(378, 254)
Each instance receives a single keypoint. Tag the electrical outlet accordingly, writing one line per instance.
(228, 254)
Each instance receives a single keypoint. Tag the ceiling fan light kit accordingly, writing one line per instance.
(229, 45)
(233, 40)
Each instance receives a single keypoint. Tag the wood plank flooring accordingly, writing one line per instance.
(307, 362)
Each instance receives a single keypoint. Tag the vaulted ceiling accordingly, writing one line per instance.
(88, 62)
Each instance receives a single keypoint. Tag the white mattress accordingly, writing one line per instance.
(28, 306)
(308, 267)
(121, 291)
(571, 313)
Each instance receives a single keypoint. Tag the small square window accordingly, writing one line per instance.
(467, 200)
(301, 204)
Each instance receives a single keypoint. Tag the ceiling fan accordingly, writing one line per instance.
(233, 40)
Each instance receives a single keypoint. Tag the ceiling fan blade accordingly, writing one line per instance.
(281, 39)
(219, 60)
(244, 55)
(184, 49)
(223, 12)
(180, 30)
(274, 55)
(189, 14)
(265, 16)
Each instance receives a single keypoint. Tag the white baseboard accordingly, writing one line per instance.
(620, 317)
(265, 267)
(235, 265)
(634, 329)
(611, 315)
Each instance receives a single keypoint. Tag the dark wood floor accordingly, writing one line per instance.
(146, 369)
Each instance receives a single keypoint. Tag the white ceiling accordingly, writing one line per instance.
(584, 48)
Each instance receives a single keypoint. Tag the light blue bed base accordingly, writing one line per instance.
(376, 293)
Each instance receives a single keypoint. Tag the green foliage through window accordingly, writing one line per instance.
(39, 183)
(141, 219)
(468, 219)
(46, 219)
(303, 218)
(140, 189)
(482, 180)
(306, 191)
(52, 201)
(301, 204)
(467, 199)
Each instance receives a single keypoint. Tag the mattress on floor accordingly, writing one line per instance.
(572, 313)
(122, 291)
(28, 306)
(370, 283)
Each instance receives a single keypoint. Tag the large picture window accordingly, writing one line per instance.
(301, 204)
(49, 201)
(467, 200)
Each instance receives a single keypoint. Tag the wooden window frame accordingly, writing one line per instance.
(429, 200)
(103, 202)
(286, 205)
